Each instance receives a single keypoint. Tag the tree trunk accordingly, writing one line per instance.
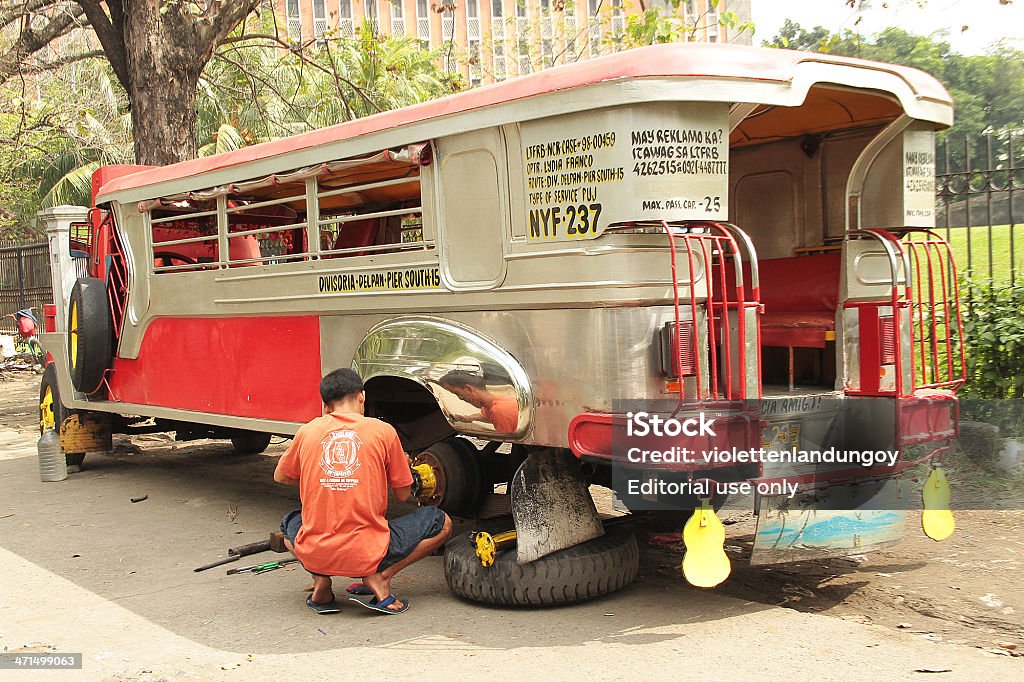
(158, 57)
(164, 74)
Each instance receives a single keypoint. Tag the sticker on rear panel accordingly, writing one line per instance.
(588, 170)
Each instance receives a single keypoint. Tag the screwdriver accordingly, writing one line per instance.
(262, 568)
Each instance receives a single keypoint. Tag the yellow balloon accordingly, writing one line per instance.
(705, 564)
(936, 519)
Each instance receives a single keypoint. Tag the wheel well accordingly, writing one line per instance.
(410, 408)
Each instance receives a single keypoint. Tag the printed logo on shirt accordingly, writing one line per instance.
(340, 459)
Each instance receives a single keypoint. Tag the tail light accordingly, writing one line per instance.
(677, 342)
(887, 342)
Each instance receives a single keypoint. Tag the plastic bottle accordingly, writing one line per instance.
(52, 464)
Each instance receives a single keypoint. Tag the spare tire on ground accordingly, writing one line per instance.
(591, 569)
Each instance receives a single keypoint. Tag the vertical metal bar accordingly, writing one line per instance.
(967, 200)
(792, 370)
(697, 354)
(719, 243)
(934, 365)
(917, 310)
(675, 305)
(942, 184)
(707, 251)
(987, 175)
(313, 221)
(1012, 165)
(223, 246)
(19, 254)
(945, 254)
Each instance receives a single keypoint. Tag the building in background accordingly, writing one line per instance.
(495, 39)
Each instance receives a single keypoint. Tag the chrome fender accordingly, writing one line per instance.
(481, 388)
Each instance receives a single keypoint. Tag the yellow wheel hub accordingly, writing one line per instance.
(73, 334)
(428, 478)
(47, 420)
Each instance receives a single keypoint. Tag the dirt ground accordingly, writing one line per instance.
(922, 606)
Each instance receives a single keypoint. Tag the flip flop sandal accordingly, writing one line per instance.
(359, 589)
(382, 605)
(323, 609)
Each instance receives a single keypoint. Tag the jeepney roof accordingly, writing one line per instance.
(706, 66)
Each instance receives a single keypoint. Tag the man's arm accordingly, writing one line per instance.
(399, 474)
(288, 468)
(402, 494)
(281, 477)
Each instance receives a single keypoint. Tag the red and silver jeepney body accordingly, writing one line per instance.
(737, 231)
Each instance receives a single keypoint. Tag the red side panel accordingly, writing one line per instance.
(105, 174)
(264, 367)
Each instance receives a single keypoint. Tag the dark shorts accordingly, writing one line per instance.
(406, 532)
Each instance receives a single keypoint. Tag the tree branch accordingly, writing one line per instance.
(13, 11)
(110, 31)
(63, 61)
(31, 40)
(214, 25)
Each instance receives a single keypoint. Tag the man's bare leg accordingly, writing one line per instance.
(323, 592)
(322, 587)
(380, 582)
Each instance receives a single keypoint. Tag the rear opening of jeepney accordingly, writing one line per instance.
(684, 272)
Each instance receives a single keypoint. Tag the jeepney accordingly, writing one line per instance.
(727, 233)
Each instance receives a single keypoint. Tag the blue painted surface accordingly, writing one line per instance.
(836, 529)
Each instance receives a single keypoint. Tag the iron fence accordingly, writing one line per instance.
(24, 281)
(980, 195)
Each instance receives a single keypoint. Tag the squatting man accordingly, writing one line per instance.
(343, 464)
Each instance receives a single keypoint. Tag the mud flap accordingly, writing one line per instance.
(838, 521)
(551, 506)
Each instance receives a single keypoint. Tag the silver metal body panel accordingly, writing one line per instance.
(573, 323)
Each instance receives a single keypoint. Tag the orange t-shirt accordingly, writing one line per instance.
(345, 464)
(503, 414)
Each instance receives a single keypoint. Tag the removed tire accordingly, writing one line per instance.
(250, 442)
(90, 334)
(461, 481)
(592, 569)
(52, 411)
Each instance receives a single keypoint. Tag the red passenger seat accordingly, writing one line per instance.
(358, 233)
(800, 297)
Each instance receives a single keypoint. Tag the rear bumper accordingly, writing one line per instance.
(603, 437)
(927, 416)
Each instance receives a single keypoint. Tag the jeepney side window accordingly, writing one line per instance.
(267, 225)
(184, 235)
(370, 211)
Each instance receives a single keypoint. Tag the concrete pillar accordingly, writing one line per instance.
(57, 222)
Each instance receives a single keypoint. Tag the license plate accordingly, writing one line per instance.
(781, 436)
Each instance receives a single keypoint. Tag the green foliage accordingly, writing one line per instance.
(262, 92)
(994, 330)
(53, 132)
(657, 24)
(57, 129)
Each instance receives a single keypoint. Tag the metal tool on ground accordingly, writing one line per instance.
(274, 544)
(487, 545)
(262, 568)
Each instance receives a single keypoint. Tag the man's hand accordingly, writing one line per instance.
(417, 483)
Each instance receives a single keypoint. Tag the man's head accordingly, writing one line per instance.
(467, 386)
(342, 389)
